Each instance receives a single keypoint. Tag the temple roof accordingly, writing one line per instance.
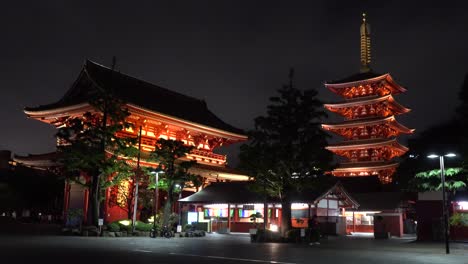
(396, 107)
(241, 193)
(366, 143)
(370, 122)
(365, 101)
(365, 78)
(131, 90)
(226, 192)
(366, 166)
(38, 161)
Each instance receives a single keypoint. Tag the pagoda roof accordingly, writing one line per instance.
(136, 92)
(391, 120)
(365, 166)
(366, 101)
(365, 78)
(366, 143)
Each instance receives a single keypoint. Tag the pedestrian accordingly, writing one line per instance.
(314, 230)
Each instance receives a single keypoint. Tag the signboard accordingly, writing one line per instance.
(101, 221)
(248, 207)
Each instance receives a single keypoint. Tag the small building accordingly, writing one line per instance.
(430, 216)
(228, 207)
(393, 207)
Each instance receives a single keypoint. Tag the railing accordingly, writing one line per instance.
(207, 156)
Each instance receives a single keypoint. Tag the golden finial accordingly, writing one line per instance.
(365, 45)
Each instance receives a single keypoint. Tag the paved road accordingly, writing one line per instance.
(225, 249)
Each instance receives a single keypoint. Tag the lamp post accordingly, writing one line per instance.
(179, 207)
(156, 195)
(444, 203)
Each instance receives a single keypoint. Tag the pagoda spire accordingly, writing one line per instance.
(365, 45)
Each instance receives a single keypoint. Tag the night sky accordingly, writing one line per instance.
(233, 54)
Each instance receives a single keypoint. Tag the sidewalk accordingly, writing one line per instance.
(395, 244)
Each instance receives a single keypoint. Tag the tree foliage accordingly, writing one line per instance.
(168, 154)
(430, 180)
(285, 152)
(89, 146)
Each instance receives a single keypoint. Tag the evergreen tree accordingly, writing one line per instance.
(168, 154)
(89, 146)
(286, 151)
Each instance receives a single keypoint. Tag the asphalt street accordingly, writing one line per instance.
(224, 249)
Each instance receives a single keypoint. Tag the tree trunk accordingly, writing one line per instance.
(93, 201)
(285, 216)
(168, 204)
(130, 196)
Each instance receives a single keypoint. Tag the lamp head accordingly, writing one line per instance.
(450, 155)
(433, 156)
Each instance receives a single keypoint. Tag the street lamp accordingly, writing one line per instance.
(444, 203)
(156, 195)
(178, 186)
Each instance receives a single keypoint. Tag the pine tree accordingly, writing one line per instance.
(286, 149)
(168, 154)
(89, 146)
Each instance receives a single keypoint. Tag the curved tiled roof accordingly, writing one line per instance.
(134, 91)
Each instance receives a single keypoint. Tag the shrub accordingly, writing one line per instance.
(188, 228)
(459, 219)
(141, 226)
(125, 225)
(113, 227)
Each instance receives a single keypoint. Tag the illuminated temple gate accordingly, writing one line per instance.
(160, 112)
(370, 127)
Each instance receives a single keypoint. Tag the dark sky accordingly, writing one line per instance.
(233, 54)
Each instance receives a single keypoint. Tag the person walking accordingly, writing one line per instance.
(314, 230)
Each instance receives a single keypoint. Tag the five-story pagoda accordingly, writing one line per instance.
(370, 127)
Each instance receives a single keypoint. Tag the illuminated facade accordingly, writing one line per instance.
(370, 127)
(159, 112)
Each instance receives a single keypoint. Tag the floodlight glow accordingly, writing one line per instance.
(274, 228)
(450, 155)
(433, 156)
(125, 222)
